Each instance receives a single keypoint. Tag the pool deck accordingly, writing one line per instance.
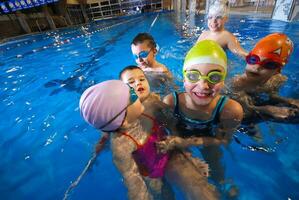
(263, 12)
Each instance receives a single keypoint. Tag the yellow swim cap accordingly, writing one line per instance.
(206, 52)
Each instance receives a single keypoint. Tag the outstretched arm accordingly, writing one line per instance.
(122, 156)
(285, 101)
(235, 47)
(276, 113)
(172, 142)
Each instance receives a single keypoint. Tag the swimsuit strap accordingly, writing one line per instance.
(154, 121)
(215, 114)
(176, 102)
(219, 107)
(129, 136)
(156, 125)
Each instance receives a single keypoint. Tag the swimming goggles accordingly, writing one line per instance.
(142, 54)
(269, 63)
(133, 99)
(213, 77)
(216, 17)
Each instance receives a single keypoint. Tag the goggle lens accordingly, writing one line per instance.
(215, 78)
(252, 59)
(192, 76)
(271, 65)
(142, 54)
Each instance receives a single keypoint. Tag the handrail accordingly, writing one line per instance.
(36, 21)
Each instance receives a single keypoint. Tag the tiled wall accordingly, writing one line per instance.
(295, 14)
(283, 10)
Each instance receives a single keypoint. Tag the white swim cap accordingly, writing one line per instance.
(218, 8)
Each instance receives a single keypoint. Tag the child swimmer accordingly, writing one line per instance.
(257, 88)
(114, 107)
(144, 50)
(217, 17)
(206, 118)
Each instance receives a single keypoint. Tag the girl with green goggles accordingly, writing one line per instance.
(205, 118)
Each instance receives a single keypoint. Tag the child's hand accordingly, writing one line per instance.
(169, 143)
(280, 113)
(294, 102)
(283, 112)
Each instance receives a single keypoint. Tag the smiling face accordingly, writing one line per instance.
(143, 48)
(216, 23)
(137, 80)
(203, 92)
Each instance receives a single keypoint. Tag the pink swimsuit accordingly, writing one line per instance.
(150, 162)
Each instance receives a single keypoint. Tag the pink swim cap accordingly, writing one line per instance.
(103, 101)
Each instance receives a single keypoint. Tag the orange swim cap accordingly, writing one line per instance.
(276, 46)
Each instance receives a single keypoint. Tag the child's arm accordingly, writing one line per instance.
(285, 101)
(276, 113)
(234, 46)
(172, 142)
(230, 118)
(274, 85)
(122, 156)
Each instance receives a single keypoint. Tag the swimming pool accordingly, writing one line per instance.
(45, 143)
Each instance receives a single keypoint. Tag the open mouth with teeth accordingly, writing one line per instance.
(202, 94)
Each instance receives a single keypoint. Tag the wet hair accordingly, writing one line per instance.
(141, 37)
(128, 68)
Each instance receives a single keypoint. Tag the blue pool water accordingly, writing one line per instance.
(45, 144)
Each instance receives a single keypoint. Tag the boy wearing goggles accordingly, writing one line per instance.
(194, 184)
(217, 17)
(144, 51)
(257, 89)
(205, 117)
